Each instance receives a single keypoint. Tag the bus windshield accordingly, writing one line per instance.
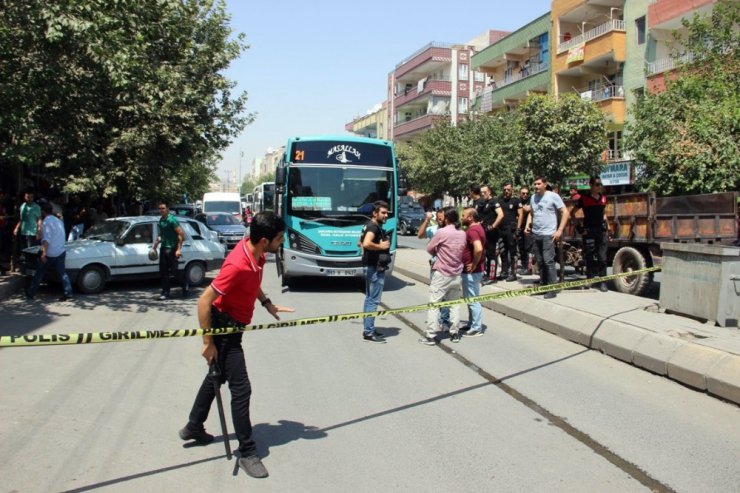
(316, 192)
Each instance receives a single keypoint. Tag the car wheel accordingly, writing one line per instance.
(91, 279)
(404, 229)
(195, 273)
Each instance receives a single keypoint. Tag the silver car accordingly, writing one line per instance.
(118, 249)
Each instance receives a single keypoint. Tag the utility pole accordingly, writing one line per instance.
(239, 179)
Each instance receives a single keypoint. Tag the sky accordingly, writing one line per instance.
(313, 66)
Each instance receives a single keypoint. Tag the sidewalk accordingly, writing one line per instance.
(626, 327)
(10, 284)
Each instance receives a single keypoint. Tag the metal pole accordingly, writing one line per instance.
(214, 373)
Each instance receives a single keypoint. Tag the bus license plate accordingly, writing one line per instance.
(340, 272)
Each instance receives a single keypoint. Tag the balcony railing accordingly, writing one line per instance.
(612, 25)
(602, 92)
(668, 63)
(525, 72)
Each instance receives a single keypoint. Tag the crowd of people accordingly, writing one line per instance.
(495, 242)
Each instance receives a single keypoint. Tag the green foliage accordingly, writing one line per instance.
(687, 136)
(557, 138)
(120, 97)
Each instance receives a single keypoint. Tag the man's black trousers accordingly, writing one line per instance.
(508, 252)
(233, 370)
(544, 252)
(167, 268)
(594, 251)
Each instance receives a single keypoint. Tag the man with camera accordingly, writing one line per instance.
(376, 259)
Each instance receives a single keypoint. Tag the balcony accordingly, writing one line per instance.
(607, 27)
(668, 63)
(436, 87)
(516, 87)
(432, 52)
(405, 129)
(667, 14)
(602, 92)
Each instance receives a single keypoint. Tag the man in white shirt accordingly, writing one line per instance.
(52, 253)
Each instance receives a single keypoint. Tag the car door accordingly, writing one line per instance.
(190, 246)
(132, 251)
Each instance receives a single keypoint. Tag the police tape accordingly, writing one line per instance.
(137, 335)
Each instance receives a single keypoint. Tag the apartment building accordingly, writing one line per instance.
(664, 17)
(434, 83)
(373, 124)
(589, 58)
(514, 67)
(269, 162)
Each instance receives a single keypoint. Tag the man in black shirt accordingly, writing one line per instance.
(595, 227)
(476, 201)
(491, 216)
(375, 259)
(512, 210)
(524, 241)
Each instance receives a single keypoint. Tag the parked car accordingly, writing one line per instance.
(230, 230)
(410, 217)
(118, 249)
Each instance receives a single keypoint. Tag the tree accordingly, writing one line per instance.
(556, 138)
(118, 97)
(686, 138)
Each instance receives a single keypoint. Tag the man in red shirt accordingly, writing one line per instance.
(474, 267)
(229, 302)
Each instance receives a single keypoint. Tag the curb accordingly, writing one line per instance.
(694, 365)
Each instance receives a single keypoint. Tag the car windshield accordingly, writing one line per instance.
(222, 220)
(338, 193)
(106, 231)
(221, 206)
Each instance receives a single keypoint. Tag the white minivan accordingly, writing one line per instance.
(223, 202)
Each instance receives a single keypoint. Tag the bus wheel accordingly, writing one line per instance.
(629, 259)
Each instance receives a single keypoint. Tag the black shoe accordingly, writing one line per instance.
(373, 338)
(455, 337)
(185, 293)
(550, 295)
(29, 296)
(603, 287)
(377, 334)
(65, 297)
(199, 436)
(253, 466)
(511, 278)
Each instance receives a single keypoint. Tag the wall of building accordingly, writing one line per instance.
(637, 52)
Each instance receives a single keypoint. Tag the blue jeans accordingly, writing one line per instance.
(471, 287)
(374, 282)
(56, 263)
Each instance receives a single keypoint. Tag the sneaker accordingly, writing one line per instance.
(550, 295)
(473, 333)
(253, 466)
(511, 278)
(428, 341)
(199, 436)
(603, 287)
(377, 334)
(373, 338)
(65, 297)
(163, 297)
(455, 337)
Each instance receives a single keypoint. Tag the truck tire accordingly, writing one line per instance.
(629, 259)
(403, 229)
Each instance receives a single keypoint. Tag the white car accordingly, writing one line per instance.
(118, 249)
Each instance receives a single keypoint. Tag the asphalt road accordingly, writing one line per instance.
(516, 410)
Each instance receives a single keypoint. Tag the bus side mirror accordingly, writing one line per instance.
(280, 176)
